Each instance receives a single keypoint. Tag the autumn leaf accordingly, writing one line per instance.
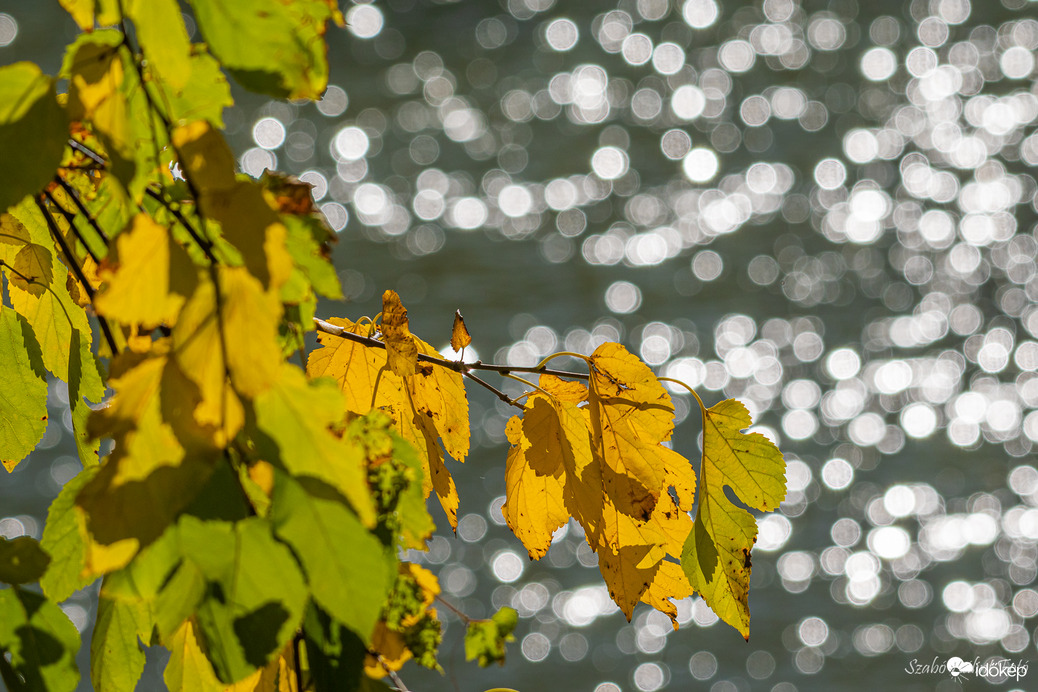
(631, 414)
(716, 555)
(459, 334)
(147, 278)
(423, 407)
(534, 507)
(400, 345)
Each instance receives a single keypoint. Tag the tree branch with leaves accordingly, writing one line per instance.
(137, 261)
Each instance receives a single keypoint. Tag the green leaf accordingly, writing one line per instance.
(296, 415)
(349, 570)
(163, 39)
(38, 644)
(308, 244)
(269, 46)
(395, 474)
(716, 555)
(205, 95)
(33, 131)
(124, 622)
(22, 560)
(256, 595)
(60, 325)
(23, 390)
(63, 540)
(485, 639)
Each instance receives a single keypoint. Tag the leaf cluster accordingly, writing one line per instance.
(251, 515)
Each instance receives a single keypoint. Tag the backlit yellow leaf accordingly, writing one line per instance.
(631, 414)
(716, 556)
(534, 507)
(459, 334)
(188, 667)
(426, 406)
(239, 206)
(400, 345)
(148, 277)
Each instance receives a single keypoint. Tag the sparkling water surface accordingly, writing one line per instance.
(825, 209)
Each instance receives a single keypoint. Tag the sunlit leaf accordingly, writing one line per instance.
(335, 550)
(63, 539)
(716, 556)
(631, 414)
(297, 416)
(246, 617)
(163, 39)
(32, 131)
(534, 508)
(269, 46)
(23, 390)
(485, 639)
(124, 620)
(459, 334)
(105, 90)
(400, 345)
(59, 324)
(420, 414)
(147, 278)
(188, 668)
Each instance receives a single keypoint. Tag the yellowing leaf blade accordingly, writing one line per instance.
(400, 345)
(716, 556)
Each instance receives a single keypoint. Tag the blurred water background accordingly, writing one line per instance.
(825, 209)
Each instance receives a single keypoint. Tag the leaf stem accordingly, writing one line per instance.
(454, 609)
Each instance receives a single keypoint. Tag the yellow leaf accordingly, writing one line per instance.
(631, 414)
(400, 345)
(716, 556)
(440, 400)
(239, 206)
(459, 334)
(241, 322)
(427, 405)
(162, 457)
(148, 277)
(534, 507)
(32, 266)
(188, 667)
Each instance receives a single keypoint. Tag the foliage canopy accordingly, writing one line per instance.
(137, 261)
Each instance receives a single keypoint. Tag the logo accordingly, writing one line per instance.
(993, 670)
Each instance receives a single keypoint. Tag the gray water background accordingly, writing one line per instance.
(875, 312)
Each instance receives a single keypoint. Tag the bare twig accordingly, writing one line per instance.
(204, 244)
(82, 208)
(56, 232)
(454, 609)
(71, 219)
(455, 365)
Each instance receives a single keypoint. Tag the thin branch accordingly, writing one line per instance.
(497, 392)
(400, 686)
(56, 232)
(82, 208)
(449, 606)
(71, 219)
(88, 152)
(204, 244)
(455, 365)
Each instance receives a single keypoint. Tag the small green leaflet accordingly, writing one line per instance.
(485, 639)
(38, 644)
